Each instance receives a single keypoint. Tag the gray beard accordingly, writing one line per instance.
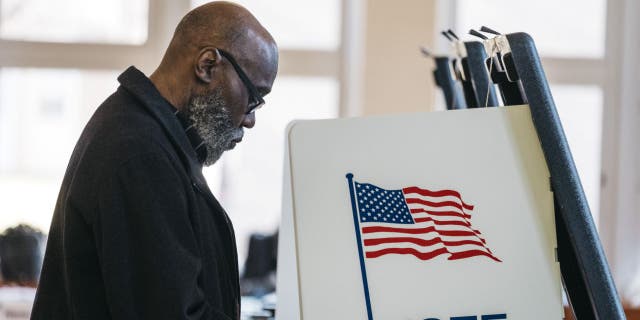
(213, 122)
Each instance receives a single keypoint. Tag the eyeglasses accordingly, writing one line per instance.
(255, 100)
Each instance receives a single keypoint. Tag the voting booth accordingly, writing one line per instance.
(466, 214)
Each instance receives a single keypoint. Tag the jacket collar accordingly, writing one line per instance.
(138, 85)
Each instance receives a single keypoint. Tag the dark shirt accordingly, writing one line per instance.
(136, 232)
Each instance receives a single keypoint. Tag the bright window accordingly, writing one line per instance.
(93, 21)
(298, 24)
(568, 28)
(42, 112)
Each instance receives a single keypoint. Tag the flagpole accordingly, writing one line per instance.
(356, 223)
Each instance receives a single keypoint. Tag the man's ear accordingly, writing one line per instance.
(208, 59)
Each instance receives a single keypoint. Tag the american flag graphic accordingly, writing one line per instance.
(418, 222)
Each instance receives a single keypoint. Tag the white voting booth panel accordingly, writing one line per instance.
(441, 215)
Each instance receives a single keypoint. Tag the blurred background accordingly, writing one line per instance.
(59, 60)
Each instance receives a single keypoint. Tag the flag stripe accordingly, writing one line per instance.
(440, 218)
(441, 213)
(443, 223)
(440, 193)
(434, 204)
(452, 249)
(424, 236)
(416, 253)
(430, 222)
(455, 252)
(417, 231)
(472, 253)
(418, 241)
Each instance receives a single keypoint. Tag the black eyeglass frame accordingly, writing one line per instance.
(255, 100)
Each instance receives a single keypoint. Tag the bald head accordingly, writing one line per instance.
(219, 25)
(217, 22)
(224, 24)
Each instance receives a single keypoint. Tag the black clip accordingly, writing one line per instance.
(453, 34)
(478, 34)
(489, 30)
(446, 35)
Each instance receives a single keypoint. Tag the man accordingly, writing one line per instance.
(136, 232)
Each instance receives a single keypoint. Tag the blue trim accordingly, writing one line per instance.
(494, 316)
(356, 224)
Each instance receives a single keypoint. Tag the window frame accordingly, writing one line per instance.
(164, 15)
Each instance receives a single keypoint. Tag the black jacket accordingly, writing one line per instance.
(136, 232)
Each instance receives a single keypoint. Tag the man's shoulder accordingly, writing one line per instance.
(121, 129)
(119, 133)
(121, 126)
(120, 115)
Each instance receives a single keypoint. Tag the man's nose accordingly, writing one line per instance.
(249, 120)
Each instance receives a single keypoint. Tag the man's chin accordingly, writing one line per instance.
(230, 146)
(233, 143)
